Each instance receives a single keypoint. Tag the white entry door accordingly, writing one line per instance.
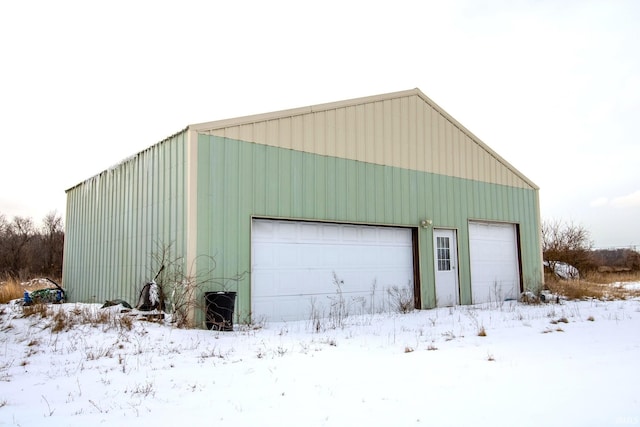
(446, 267)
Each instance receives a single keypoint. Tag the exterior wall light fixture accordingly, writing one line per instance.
(425, 223)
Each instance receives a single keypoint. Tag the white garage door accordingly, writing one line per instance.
(294, 265)
(495, 274)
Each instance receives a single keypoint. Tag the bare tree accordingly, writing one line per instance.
(3, 225)
(26, 250)
(16, 236)
(53, 241)
(566, 242)
(4, 231)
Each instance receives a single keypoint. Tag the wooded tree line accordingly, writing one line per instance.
(28, 250)
(571, 243)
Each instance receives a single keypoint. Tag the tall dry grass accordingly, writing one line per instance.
(60, 319)
(597, 285)
(10, 289)
(612, 277)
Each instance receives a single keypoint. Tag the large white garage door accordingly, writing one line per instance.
(294, 266)
(495, 273)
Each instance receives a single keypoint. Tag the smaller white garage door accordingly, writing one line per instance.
(495, 272)
(293, 266)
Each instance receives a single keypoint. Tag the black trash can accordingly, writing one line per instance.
(219, 310)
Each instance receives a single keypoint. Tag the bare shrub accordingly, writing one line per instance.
(401, 299)
(181, 285)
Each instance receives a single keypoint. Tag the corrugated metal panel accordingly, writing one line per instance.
(117, 219)
(405, 130)
(238, 180)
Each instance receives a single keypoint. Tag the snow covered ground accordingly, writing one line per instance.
(573, 364)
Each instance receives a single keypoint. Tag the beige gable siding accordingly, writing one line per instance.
(404, 129)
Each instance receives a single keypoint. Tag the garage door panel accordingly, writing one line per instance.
(329, 233)
(330, 257)
(350, 234)
(264, 277)
(308, 254)
(263, 257)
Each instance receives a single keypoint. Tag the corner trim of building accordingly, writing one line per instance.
(191, 225)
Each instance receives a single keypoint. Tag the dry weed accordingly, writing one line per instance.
(42, 310)
(61, 321)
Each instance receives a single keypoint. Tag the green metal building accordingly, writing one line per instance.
(363, 201)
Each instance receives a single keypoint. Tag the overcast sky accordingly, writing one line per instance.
(552, 86)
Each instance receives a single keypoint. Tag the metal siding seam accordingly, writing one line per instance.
(321, 186)
(284, 132)
(418, 140)
(361, 133)
(369, 134)
(341, 137)
(350, 151)
(331, 134)
(309, 184)
(331, 194)
(396, 132)
(297, 133)
(319, 132)
(405, 160)
(387, 138)
(378, 133)
(308, 132)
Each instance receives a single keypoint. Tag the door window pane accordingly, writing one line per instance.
(444, 253)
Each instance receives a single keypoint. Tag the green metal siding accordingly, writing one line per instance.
(238, 180)
(119, 218)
